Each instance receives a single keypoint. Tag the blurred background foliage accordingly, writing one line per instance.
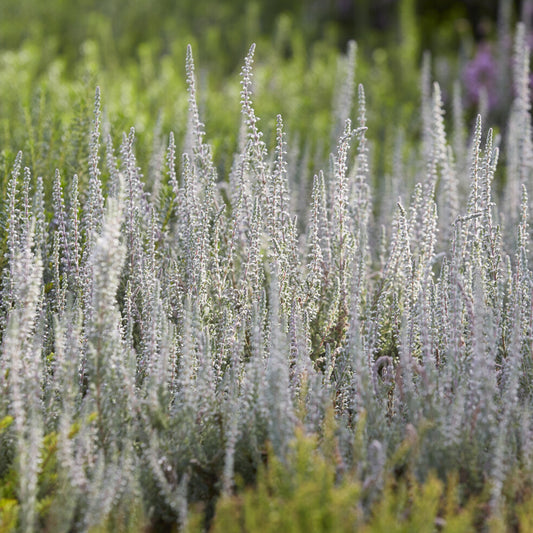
(224, 29)
(53, 54)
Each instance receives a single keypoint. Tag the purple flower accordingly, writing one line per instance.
(480, 74)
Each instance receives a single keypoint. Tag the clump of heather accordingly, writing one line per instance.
(166, 330)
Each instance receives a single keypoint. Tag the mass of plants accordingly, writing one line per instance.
(292, 297)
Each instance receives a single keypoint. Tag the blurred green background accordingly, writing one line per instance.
(54, 53)
(224, 29)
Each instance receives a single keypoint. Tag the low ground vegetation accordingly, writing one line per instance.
(254, 336)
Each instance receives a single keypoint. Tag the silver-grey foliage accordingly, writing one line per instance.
(177, 334)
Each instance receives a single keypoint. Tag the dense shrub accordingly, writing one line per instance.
(252, 339)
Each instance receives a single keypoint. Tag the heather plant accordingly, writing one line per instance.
(269, 345)
(303, 495)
